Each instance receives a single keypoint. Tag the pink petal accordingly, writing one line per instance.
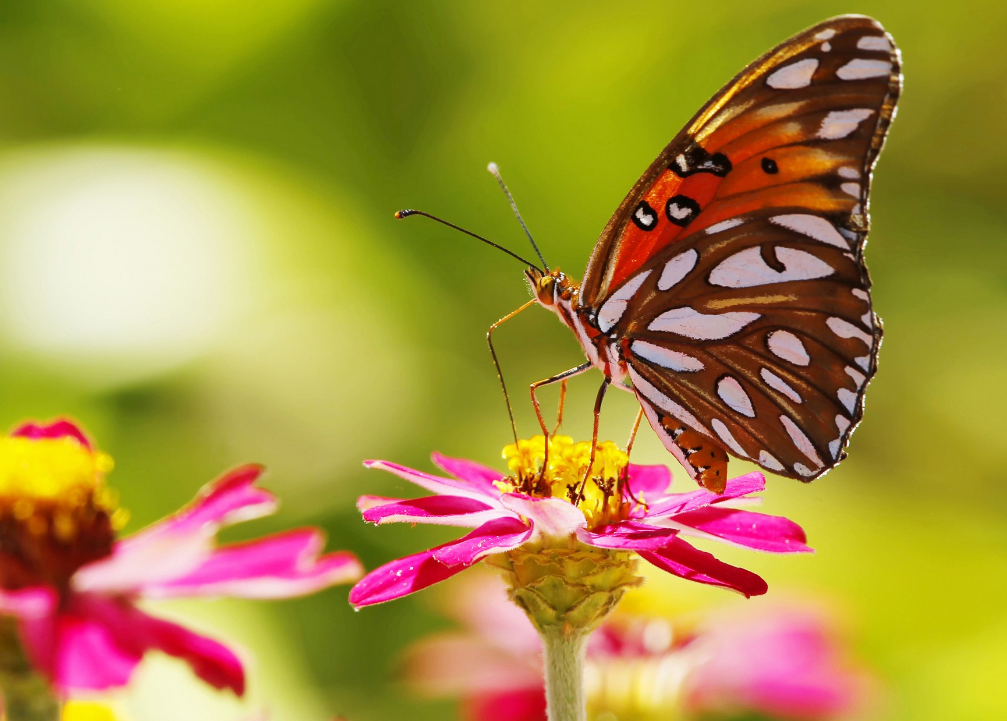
(284, 565)
(179, 543)
(101, 640)
(496, 536)
(89, 656)
(436, 484)
(679, 558)
(414, 573)
(649, 483)
(682, 502)
(34, 602)
(551, 517)
(439, 510)
(366, 503)
(460, 663)
(517, 705)
(470, 471)
(628, 536)
(745, 528)
(400, 578)
(784, 664)
(57, 429)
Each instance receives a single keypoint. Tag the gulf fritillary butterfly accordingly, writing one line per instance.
(729, 290)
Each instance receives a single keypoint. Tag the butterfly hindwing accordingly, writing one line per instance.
(751, 315)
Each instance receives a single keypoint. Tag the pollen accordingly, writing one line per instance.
(563, 473)
(56, 512)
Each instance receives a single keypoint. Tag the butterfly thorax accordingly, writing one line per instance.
(561, 294)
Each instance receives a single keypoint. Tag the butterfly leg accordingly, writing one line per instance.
(594, 437)
(562, 377)
(562, 404)
(632, 433)
(624, 481)
(496, 361)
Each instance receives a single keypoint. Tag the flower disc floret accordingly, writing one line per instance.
(563, 473)
(56, 512)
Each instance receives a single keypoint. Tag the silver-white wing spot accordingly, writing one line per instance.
(699, 326)
(775, 382)
(769, 461)
(812, 226)
(803, 470)
(867, 319)
(724, 225)
(840, 123)
(845, 329)
(725, 435)
(851, 189)
(864, 362)
(826, 47)
(874, 42)
(850, 173)
(861, 69)
(677, 268)
(652, 394)
(856, 375)
(731, 392)
(862, 294)
(848, 398)
(842, 423)
(787, 346)
(665, 357)
(795, 75)
(612, 309)
(803, 443)
(747, 268)
(826, 34)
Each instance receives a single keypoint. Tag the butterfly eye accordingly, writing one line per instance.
(544, 290)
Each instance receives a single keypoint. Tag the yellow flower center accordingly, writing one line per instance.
(87, 711)
(56, 513)
(563, 473)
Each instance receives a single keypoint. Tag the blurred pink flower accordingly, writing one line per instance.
(631, 511)
(73, 586)
(782, 662)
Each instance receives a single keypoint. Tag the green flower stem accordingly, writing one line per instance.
(27, 695)
(564, 674)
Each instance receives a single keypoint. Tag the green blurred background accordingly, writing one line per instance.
(199, 262)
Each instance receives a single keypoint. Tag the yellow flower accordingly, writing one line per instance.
(88, 711)
(598, 493)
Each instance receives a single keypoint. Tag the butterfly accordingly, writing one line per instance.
(729, 290)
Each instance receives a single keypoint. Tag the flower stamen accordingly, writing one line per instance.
(559, 470)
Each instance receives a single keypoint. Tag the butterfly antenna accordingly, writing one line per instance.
(408, 213)
(495, 171)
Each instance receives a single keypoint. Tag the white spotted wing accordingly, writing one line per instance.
(732, 277)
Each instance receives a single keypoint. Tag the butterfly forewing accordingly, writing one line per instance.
(751, 322)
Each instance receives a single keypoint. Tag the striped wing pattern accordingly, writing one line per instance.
(734, 269)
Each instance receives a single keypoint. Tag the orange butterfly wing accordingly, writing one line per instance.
(740, 300)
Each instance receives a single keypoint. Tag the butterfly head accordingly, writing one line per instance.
(550, 288)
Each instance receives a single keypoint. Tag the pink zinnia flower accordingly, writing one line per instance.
(623, 511)
(783, 662)
(73, 585)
